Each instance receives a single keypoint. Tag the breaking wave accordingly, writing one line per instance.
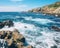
(35, 35)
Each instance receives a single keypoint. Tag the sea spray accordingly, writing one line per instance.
(3, 43)
(29, 24)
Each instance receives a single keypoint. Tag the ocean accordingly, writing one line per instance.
(35, 27)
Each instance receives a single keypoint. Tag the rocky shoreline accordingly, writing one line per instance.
(8, 23)
(12, 39)
(52, 9)
(54, 14)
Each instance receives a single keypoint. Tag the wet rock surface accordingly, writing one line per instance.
(55, 28)
(14, 39)
(54, 46)
(8, 23)
(3, 43)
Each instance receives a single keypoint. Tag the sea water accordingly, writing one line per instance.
(35, 27)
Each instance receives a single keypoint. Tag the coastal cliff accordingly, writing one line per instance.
(50, 9)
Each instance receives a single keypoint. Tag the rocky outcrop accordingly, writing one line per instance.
(53, 9)
(35, 10)
(8, 23)
(57, 11)
(14, 39)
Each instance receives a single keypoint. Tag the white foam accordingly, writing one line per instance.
(35, 36)
(37, 14)
(6, 28)
(28, 18)
(42, 21)
(17, 16)
(20, 26)
(39, 20)
(3, 43)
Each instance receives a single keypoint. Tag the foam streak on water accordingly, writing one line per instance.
(37, 36)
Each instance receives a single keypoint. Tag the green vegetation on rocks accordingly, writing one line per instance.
(48, 9)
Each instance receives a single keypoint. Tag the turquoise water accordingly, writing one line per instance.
(36, 28)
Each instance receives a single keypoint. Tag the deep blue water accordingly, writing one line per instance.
(38, 32)
(19, 16)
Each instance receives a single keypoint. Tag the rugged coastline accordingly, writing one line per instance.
(12, 39)
(53, 9)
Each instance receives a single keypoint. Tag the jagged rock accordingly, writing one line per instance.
(52, 9)
(54, 46)
(1, 25)
(57, 11)
(8, 23)
(13, 45)
(57, 41)
(14, 39)
(55, 28)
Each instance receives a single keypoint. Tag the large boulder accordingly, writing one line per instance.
(14, 39)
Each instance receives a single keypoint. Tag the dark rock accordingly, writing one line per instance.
(12, 46)
(9, 36)
(2, 36)
(25, 26)
(21, 40)
(8, 23)
(1, 25)
(55, 28)
(5, 34)
(54, 46)
(57, 41)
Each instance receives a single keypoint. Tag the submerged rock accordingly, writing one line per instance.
(55, 28)
(54, 46)
(1, 25)
(25, 26)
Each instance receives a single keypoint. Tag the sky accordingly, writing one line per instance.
(22, 5)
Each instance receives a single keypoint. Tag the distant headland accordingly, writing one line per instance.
(53, 9)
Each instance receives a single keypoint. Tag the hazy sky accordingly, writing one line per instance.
(22, 5)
